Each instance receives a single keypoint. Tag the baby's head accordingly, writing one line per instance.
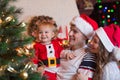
(46, 31)
(35, 21)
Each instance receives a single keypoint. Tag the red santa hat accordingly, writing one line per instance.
(85, 24)
(110, 37)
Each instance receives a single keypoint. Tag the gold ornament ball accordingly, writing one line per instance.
(24, 75)
(65, 42)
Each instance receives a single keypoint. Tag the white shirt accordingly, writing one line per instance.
(111, 71)
(68, 68)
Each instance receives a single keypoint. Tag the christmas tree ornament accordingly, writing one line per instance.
(1, 21)
(28, 66)
(23, 51)
(7, 40)
(20, 51)
(9, 18)
(11, 69)
(34, 68)
(30, 46)
(2, 70)
(13, 20)
(12, 60)
(24, 75)
(26, 52)
(65, 43)
(23, 24)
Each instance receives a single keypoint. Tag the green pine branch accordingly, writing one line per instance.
(15, 59)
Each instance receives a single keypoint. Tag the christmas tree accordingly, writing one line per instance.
(15, 58)
(107, 12)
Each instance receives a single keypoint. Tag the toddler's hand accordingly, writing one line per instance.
(70, 56)
(41, 69)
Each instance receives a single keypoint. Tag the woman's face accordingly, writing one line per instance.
(76, 38)
(93, 45)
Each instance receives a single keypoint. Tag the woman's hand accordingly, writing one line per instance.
(81, 76)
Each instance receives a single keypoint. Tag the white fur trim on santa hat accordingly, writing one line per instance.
(116, 52)
(104, 39)
(83, 26)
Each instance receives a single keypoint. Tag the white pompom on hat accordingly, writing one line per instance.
(116, 52)
(85, 24)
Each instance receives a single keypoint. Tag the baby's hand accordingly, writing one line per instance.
(41, 69)
(70, 56)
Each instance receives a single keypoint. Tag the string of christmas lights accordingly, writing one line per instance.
(106, 13)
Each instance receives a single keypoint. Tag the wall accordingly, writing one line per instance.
(61, 10)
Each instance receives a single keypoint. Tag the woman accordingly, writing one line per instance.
(105, 45)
